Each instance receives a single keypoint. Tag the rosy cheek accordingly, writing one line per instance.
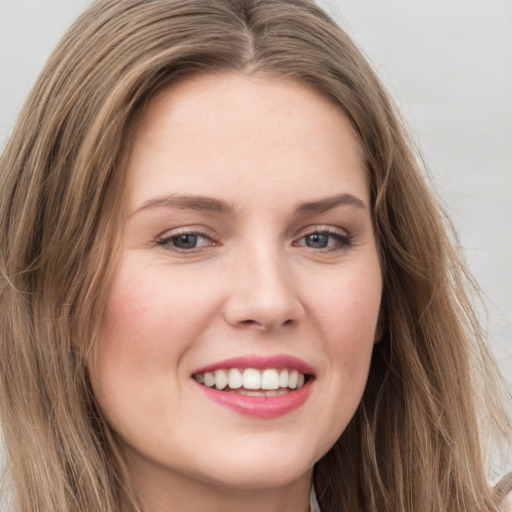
(125, 310)
(124, 331)
(132, 299)
(350, 315)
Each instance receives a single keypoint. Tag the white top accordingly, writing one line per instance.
(313, 502)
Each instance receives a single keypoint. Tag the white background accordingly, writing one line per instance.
(447, 63)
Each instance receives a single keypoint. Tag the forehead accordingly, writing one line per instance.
(207, 129)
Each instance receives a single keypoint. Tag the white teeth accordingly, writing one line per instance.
(283, 379)
(252, 393)
(209, 379)
(267, 382)
(293, 378)
(251, 379)
(269, 379)
(271, 392)
(221, 379)
(235, 378)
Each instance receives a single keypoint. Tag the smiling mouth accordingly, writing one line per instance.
(252, 381)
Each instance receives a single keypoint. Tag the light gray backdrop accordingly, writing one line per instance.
(447, 63)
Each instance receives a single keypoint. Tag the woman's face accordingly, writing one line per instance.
(250, 265)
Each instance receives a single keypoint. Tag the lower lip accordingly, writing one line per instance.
(259, 406)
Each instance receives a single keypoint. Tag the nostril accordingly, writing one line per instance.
(266, 326)
(250, 322)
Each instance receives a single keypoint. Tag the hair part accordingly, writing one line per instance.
(62, 206)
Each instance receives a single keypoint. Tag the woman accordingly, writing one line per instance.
(224, 278)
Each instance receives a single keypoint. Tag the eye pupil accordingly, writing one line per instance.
(317, 240)
(187, 241)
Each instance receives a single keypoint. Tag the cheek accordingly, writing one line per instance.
(156, 315)
(348, 315)
(349, 310)
(138, 333)
(348, 323)
(155, 320)
(149, 325)
(129, 325)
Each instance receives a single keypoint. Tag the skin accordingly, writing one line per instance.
(256, 283)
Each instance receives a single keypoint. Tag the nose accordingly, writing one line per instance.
(263, 292)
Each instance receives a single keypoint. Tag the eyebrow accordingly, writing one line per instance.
(210, 204)
(329, 203)
(198, 203)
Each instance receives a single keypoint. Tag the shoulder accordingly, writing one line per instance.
(504, 491)
(506, 504)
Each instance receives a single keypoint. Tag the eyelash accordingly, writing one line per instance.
(342, 241)
(168, 241)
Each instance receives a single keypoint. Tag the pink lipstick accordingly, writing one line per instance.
(263, 387)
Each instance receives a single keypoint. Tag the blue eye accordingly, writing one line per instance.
(317, 240)
(329, 240)
(187, 242)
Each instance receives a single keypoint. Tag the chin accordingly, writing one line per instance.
(258, 469)
(257, 477)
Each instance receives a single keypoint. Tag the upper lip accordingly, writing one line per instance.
(260, 363)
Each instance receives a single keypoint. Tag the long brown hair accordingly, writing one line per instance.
(415, 441)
